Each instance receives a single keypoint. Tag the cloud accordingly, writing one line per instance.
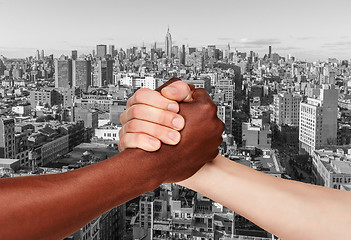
(225, 39)
(304, 38)
(260, 42)
(338, 45)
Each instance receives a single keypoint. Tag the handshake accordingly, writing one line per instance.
(176, 122)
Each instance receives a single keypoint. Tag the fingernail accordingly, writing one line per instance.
(178, 123)
(173, 107)
(171, 90)
(173, 136)
(154, 142)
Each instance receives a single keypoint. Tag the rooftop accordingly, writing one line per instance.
(8, 161)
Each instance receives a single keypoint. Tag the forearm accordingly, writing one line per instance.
(54, 206)
(288, 209)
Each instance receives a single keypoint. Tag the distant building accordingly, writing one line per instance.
(287, 109)
(22, 109)
(227, 87)
(107, 132)
(89, 116)
(101, 51)
(111, 50)
(256, 136)
(22, 149)
(168, 44)
(318, 119)
(103, 73)
(7, 138)
(332, 168)
(81, 74)
(44, 96)
(63, 73)
(74, 54)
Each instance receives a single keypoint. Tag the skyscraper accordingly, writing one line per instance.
(103, 73)
(101, 51)
(38, 55)
(42, 55)
(168, 44)
(318, 119)
(63, 73)
(81, 74)
(183, 55)
(74, 54)
(270, 52)
(111, 50)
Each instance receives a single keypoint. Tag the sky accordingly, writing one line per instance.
(307, 29)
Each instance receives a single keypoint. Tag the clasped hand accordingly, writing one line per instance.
(185, 135)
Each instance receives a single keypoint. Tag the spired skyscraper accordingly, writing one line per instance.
(168, 44)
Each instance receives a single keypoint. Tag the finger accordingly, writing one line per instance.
(152, 98)
(201, 95)
(139, 140)
(154, 115)
(164, 134)
(178, 91)
(170, 81)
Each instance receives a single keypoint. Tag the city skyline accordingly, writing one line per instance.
(310, 30)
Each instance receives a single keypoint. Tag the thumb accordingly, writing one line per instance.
(178, 91)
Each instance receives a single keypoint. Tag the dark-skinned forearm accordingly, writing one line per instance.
(54, 206)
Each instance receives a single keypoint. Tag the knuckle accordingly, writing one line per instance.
(210, 107)
(132, 111)
(131, 126)
(139, 95)
(129, 102)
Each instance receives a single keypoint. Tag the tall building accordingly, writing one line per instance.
(103, 73)
(81, 76)
(63, 73)
(183, 55)
(111, 50)
(74, 54)
(101, 51)
(37, 56)
(318, 119)
(168, 44)
(42, 55)
(7, 138)
(270, 52)
(287, 109)
(226, 86)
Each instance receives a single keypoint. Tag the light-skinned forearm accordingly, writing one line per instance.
(286, 208)
(54, 206)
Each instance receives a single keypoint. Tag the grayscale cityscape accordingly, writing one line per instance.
(286, 113)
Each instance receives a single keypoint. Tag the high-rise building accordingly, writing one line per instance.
(226, 86)
(42, 55)
(74, 54)
(111, 50)
(81, 76)
(38, 55)
(287, 109)
(168, 44)
(318, 119)
(183, 55)
(63, 73)
(101, 51)
(270, 52)
(103, 73)
(7, 138)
